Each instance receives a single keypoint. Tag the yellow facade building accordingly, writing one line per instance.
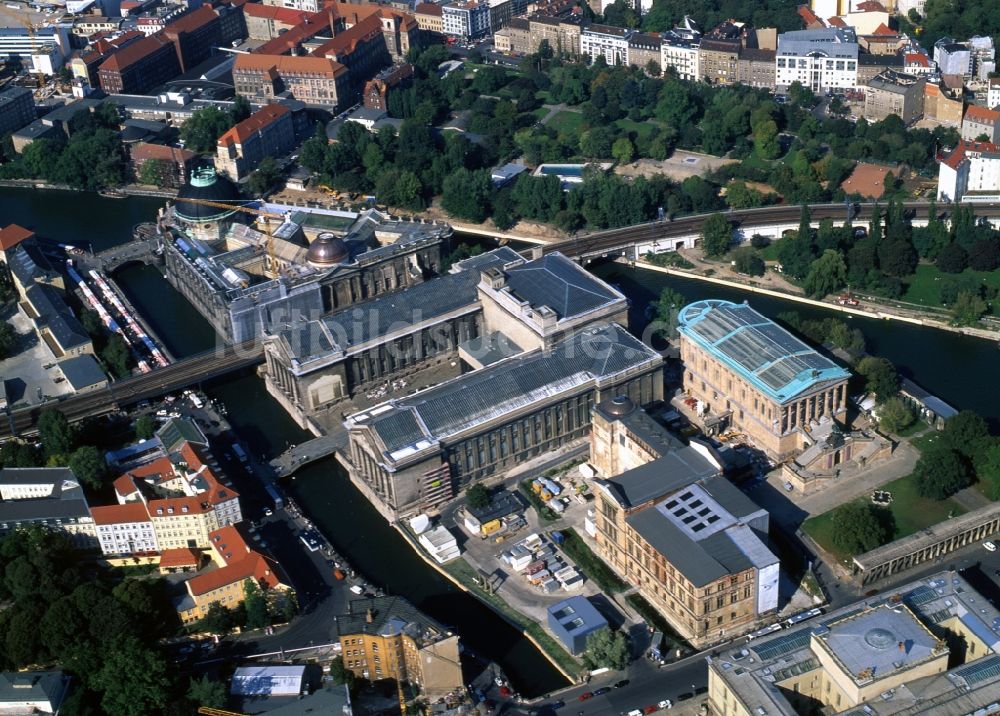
(388, 638)
(750, 375)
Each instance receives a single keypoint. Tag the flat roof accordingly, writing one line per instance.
(82, 371)
(561, 284)
(879, 641)
(576, 615)
(263, 681)
(766, 355)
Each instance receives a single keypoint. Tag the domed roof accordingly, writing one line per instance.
(327, 250)
(205, 185)
(619, 406)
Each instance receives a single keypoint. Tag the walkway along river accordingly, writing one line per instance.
(954, 367)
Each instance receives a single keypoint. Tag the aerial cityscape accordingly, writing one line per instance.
(486, 357)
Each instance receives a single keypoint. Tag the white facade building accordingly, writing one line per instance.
(466, 19)
(970, 173)
(993, 93)
(953, 58)
(605, 41)
(125, 529)
(681, 53)
(821, 60)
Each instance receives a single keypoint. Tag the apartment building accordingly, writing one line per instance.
(953, 58)
(17, 109)
(125, 529)
(313, 80)
(993, 93)
(173, 165)
(376, 92)
(430, 18)
(895, 93)
(236, 562)
(268, 132)
(467, 19)
(971, 167)
(679, 52)
(515, 38)
(821, 60)
(303, 5)
(561, 33)
(49, 497)
(692, 543)
(979, 121)
(753, 376)
(719, 52)
(139, 66)
(605, 41)
(388, 638)
(87, 25)
(756, 68)
(643, 48)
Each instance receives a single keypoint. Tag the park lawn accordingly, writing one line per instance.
(910, 511)
(566, 121)
(641, 129)
(924, 286)
(770, 252)
(540, 113)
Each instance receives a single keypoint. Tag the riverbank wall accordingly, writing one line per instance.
(851, 310)
(127, 190)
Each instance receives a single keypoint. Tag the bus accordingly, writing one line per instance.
(240, 453)
(275, 495)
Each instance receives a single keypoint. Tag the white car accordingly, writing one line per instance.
(666, 704)
(990, 547)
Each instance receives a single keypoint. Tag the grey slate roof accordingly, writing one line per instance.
(390, 615)
(82, 372)
(180, 430)
(35, 686)
(65, 504)
(475, 398)
(35, 475)
(495, 258)
(561, 284)
(676, 469)
(56, 316)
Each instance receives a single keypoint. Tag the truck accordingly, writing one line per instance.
(275, 495)
(240, 453)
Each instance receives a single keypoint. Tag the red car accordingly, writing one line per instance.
(649, 710)
(505, 692)
(585, 695)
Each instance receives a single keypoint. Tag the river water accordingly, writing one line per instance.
(954, 367)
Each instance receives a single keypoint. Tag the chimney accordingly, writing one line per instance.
(901, 647)
(370, 615)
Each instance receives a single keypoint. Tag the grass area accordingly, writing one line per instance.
(910, 511)
(589, 563)
(648, 612)
(641, 129)
(540, 113)
(770, 252)
(566, 121)
(543, 510)
(464, 573)
(924, 287)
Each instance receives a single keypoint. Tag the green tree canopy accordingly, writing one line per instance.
(202, 130)
(861, 527)
(967, 309)
(145, 427)
(207, 692)
(466, 194)
(716, 235)
(478, 496)
(826, 274)
(965, 433)
(606, 649)
(748, 262)
(265, 176)
(57, 435)
(8, 340)
(940, 472)
(87, 463)
(880, 377)
(255, 604)
(895, 415)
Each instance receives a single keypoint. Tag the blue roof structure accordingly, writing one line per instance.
(766, 355)
(573, 620)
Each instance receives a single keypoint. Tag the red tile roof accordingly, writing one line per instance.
(229, 543)
(119, 514)
(808, 16)
(836, 22)
(964, 147)
(429, 8)
(12, 234)
(147, 150)
(125, 486)
(284, 15)
(254, 566)
(134, 52)
(883, 29)
(256, 122)
(981, 115)
(286, 64)
(315, 24)
(868, 180)
(161, 507)
(870, 6)
(179, 557)
(347, 41)
(192, 21)
(916, 58)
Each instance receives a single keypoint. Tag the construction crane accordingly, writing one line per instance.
(209, 711)
(266, 215)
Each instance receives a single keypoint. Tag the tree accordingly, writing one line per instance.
(897, 258)
(622, 150)
(153, 171)
(880, 377)
(255, 604)
(217, 620)
(861, 527)
(56, 433)
(466, 194)
(716, 235)
(203, 128)
(116, 355)
(967, 309)
(340, 674)
(765, 139)
(747, 261)
(606, 649)
(965, 433)
(826, 274)
(264, 176)
(988, 470)
(984, 254)
(894, 415)
(133, 678)
(668, 308)
(940, 472)
(87, 463)
(953, 258)
(145, 427)
(241, 109)
(477, 496)
(207, 692)
(8, 340)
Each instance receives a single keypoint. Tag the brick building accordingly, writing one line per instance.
(376, 92)
(266, 22)
(85, 65)
(268, 132)
(313, 80)
(173, 164)
(140, 66)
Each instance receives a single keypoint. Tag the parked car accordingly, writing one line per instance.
(601, 691)
(558, 704)
(666, 704)
(649, 709)
(990, 547)
(586, 695)
(622, 684)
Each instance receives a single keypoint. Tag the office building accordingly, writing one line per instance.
(467, 19)
(979, 122)
(750, 375)
(195, 35)
(605, 41)
(17, 109)
(388, 638)
(821, 60)
(313, 80)
(971, 168)
(895, 93)
(139, 66)
(48, 497)
(23, 44)
(268, 132)
(670, 524)
(927, 647)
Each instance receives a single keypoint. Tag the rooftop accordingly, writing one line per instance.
(828, 42)
(55, 315)
(981, 115)
(12, 234)
(868, 180)
(254, 124)
(46, 688)
(388, 616)
(560, 284)
(288, 65)
(268, 680)
(770, 358)
(82, 372)
(576, 614)
(878, 641)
